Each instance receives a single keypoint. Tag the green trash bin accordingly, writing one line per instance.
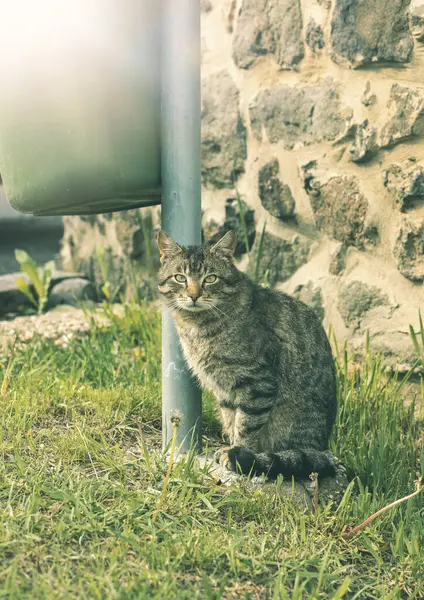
(80, 105)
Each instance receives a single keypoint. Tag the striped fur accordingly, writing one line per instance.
(264, 355)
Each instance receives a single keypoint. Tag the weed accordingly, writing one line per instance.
(243, 222)
(40, 279)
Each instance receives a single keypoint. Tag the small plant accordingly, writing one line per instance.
(106, 288)
(243, 221)
(40, 279)
(265, 282)
(418, 341)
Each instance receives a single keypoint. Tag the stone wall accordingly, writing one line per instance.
(313, 122)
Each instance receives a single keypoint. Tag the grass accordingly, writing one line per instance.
(82, 472)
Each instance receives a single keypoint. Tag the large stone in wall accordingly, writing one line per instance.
(298, 115)
(406, 183)
(275, 259)
(356, 298)
(276, 196)
(409, 249)
(223, 149)
(118, 249)
(364, 32)
(340, 208)
(269, 27)
(406, 115)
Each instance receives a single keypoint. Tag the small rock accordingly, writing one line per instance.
(314, 36)
(406, 183)
(409, 249)
(368, 98)
(364, 32)
(311, 295)
(365, 142)
(277, 258)
(223, 147)
(406, 110)
(371, 234)
(72, 292)
(393, 178)
(356, 298)
(338, 260)
(275, 196)
(269, 27)
(307, 114)
(330, 489)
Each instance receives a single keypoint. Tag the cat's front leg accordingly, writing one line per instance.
(249, 425)
(228, 417)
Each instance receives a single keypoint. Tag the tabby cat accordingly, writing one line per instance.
(264, 355)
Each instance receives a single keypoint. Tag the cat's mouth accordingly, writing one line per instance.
(194, 307)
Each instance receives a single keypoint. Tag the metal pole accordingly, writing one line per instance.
(181, 196)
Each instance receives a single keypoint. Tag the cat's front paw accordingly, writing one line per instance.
(220, 456)
(236, 459)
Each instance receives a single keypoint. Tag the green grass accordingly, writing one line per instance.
(79, 486)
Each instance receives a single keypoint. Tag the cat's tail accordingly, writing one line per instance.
(297, 463)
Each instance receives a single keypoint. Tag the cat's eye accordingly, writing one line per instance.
(180, 278)
(210, 279)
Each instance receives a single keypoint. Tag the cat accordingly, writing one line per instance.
(263, 354)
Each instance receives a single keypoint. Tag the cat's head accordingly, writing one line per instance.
(196, 278)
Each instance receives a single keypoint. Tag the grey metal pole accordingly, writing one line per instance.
(181, 196)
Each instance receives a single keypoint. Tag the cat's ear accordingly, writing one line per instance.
(167, 247)
(226, 246)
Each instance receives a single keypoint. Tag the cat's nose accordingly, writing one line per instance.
(194, 291)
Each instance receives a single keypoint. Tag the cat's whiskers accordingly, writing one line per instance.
(215, 308)
(173, 304)
(218, 315)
